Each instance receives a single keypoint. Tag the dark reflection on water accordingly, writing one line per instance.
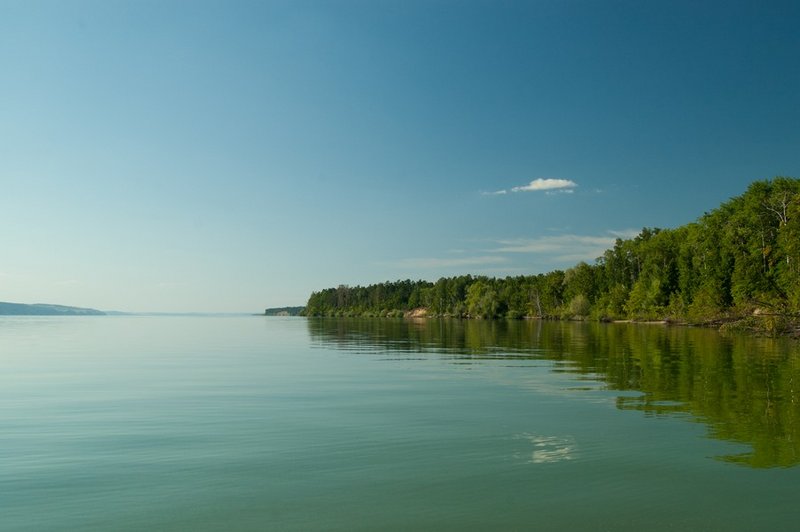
(745, 389)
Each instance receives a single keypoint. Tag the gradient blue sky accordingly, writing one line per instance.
(230, 156)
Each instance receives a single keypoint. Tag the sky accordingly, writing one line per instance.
(228, 156)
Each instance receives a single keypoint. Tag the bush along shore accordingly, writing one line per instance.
(736, 267)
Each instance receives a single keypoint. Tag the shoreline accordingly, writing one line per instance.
(756, 325)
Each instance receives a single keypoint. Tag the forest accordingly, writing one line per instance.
(736, 266)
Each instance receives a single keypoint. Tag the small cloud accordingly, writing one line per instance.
(549, 186)
(625, 234)
(433, 262)
(564, 185)
(566, 248)
(550, 244)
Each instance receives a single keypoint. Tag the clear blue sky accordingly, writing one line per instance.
(230, 156)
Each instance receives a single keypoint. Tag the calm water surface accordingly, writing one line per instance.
(252, 423)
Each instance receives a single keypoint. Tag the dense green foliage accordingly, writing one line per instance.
(738, 260)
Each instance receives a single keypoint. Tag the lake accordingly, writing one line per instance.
(254, 423)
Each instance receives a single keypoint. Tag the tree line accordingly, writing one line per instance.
(738, 261)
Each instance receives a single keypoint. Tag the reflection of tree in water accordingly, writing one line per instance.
(746, 389)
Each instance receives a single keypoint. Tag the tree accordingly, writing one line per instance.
(643, 302)
(482, 301)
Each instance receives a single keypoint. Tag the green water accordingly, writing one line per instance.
(252, 423)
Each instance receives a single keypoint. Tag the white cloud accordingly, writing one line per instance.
(567, 248)
(626, 234)
(549, 244)
(433, 262)
(546, 184)
(506, 257)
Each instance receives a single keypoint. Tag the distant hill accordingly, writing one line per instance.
(284, 311)
(39, 309)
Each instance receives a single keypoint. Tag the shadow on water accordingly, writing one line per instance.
(745, 389)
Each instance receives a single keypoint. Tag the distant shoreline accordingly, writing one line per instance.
(46, 309)
(284, 311)
(42, 309)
